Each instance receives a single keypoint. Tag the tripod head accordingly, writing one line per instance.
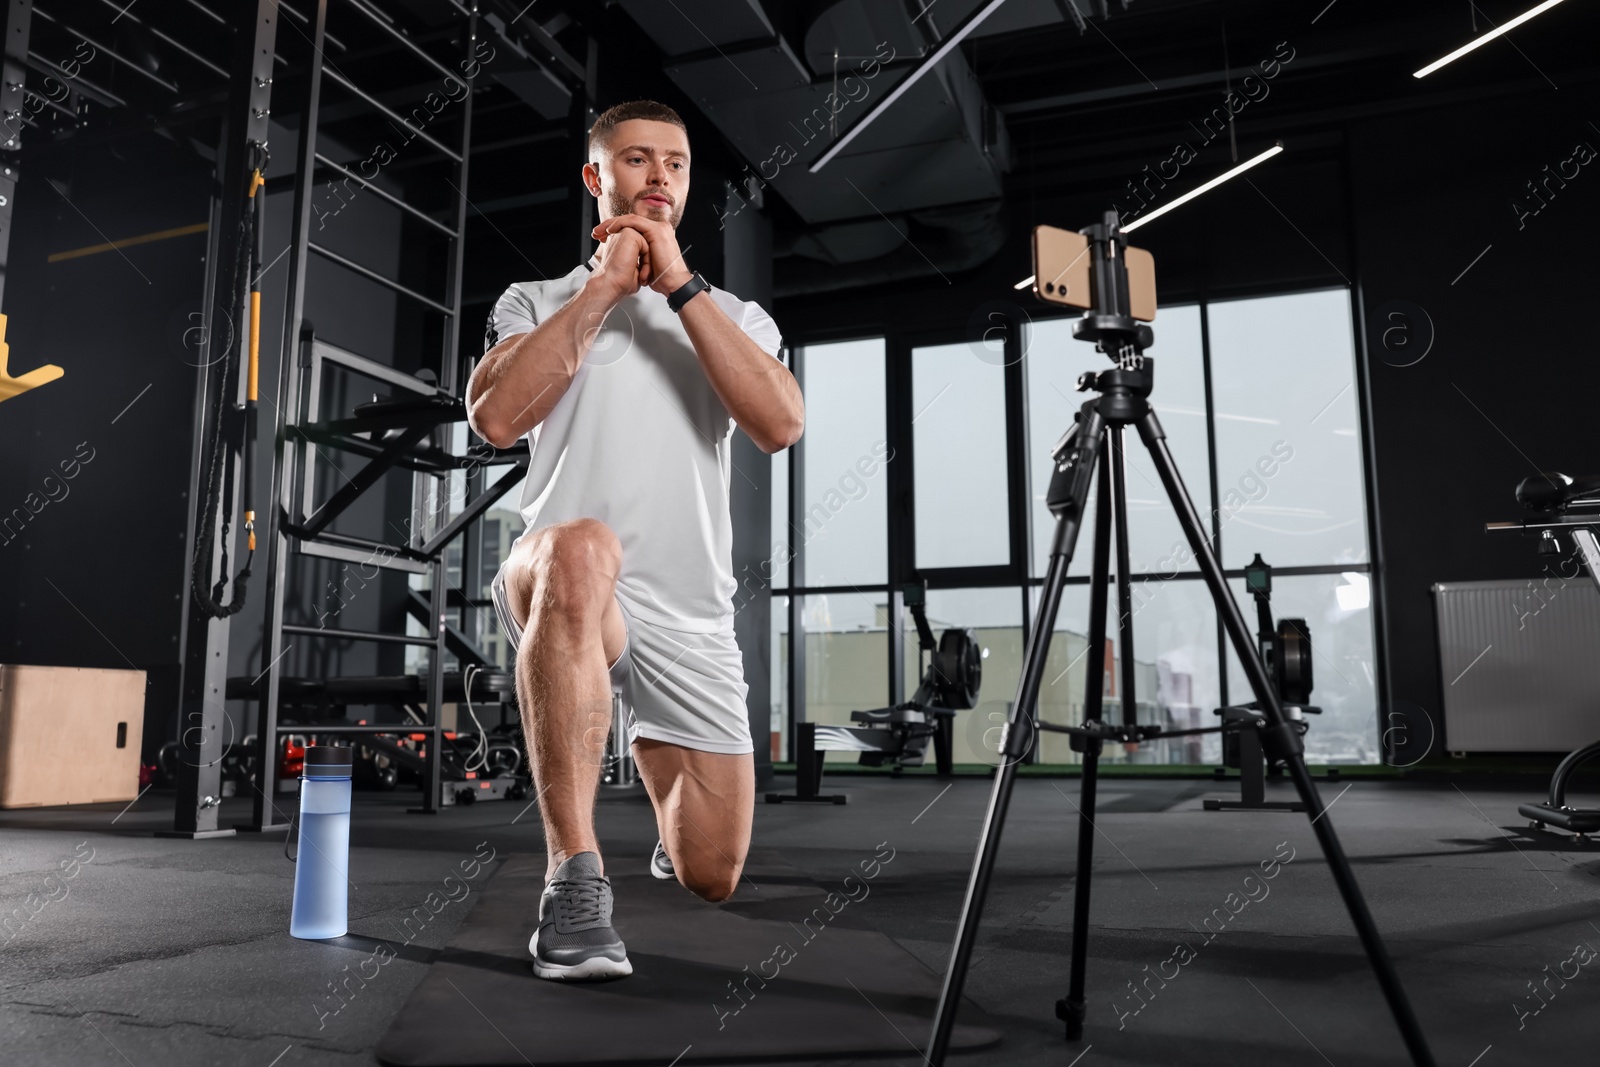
(1096, 270)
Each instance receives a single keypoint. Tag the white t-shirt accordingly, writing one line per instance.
(642, 442)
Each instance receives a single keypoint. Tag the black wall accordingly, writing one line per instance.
(96, 577)
(1508, 387)
(99, 577)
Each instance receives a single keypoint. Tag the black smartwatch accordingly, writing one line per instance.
(685, 292)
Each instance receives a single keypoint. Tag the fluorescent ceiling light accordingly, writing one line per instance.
(1486, 38)
(1207, 187)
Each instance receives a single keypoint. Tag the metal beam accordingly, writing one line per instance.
(99, 46)
(122, 13)
(204, 678)
(13, 110)
(294, 355)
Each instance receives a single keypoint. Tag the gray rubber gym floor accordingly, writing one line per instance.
(166, 952)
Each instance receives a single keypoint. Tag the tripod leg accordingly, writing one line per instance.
(1119, 505)
(1077, 456)
(1072, 1009)
(1279, 740)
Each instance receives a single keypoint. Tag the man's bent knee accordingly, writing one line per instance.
(575, 565)
(710, 882)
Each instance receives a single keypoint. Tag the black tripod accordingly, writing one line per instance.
(1096, 442)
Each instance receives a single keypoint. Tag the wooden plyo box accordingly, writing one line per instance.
(69, 735)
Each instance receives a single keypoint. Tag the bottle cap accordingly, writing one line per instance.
(328, 761)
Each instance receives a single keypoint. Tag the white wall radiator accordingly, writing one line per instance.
(1520, 664)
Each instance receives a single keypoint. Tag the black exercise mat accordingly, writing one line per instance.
(846, 990)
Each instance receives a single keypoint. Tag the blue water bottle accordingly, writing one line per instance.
(321, 875)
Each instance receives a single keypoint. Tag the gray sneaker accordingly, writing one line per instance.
(575, 940)
(661, 863)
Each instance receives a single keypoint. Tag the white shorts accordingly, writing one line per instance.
(683, 688)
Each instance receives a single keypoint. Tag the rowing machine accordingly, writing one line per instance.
(898, 735)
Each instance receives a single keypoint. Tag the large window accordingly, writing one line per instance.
(1288, 446)
(1289, 474)
(1054, 361)
(1258, 401)
(1176, 675)
(958, 430)
(841, 531)
(843, 517)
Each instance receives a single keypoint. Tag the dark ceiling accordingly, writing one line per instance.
(1045, 99)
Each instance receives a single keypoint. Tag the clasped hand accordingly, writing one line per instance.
(631, 246)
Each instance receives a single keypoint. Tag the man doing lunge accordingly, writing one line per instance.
(628, 376)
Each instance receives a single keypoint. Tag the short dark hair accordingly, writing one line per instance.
(606, 124)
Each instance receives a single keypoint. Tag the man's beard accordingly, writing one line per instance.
(621, 205)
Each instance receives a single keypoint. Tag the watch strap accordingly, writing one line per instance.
(683, 293)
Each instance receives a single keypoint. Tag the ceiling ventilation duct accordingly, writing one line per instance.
(928, 171)
(527, 78)
(941, 241)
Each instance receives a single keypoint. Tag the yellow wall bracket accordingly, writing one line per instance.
(9, 386)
